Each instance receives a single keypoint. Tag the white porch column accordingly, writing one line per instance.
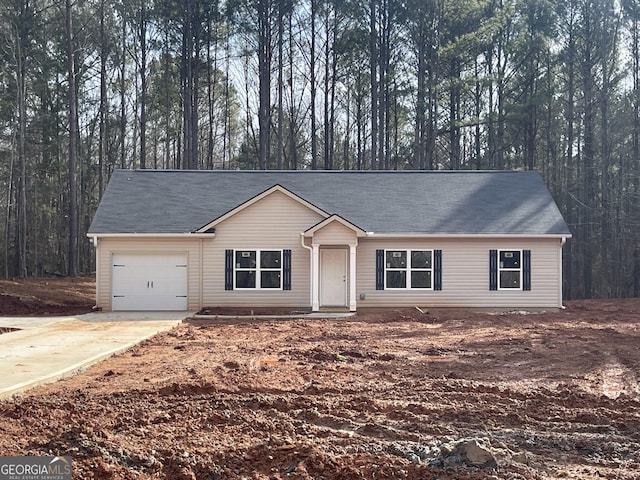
(352, 278)
(315, 277)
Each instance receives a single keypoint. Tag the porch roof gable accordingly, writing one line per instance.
(335, 219)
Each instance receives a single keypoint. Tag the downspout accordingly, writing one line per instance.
(201, 275)
(94, 241)
(311, 272)
(562, 243)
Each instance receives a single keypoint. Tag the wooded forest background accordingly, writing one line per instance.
(88, 86)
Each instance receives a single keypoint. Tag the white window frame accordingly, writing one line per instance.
(258, 269)
(408, 269)
(508, 269)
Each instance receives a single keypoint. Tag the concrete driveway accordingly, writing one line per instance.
(46, 349)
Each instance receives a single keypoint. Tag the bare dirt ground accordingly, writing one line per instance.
(47, 296)
(397, 394)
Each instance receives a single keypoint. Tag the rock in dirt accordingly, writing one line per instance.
(466, 452)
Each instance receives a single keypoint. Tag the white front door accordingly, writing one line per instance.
(333, 277)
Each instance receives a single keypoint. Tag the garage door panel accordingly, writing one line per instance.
(149, 260)
(168, 280)
(129, 280)
(149, 282)
(149, 302)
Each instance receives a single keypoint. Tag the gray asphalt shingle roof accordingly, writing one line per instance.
(431, 202)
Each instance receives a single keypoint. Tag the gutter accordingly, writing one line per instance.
(468, 235)
(150, 235)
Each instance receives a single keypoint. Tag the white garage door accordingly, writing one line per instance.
(149, 282)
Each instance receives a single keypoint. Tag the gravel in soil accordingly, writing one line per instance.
(396, 394)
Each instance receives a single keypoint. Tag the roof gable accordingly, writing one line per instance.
(332, 220)
(383, 202)
(256, 199)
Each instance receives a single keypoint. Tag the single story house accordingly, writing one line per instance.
(183, 240)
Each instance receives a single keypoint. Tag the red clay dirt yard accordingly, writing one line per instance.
(399, 394)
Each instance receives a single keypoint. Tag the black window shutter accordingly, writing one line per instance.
(437, 269)
(379, 269)
(526, 269)
(228, 270)
(286, 269)
(493, 269)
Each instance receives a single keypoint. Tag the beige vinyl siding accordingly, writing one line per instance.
(465, 274)
(144, 246)
(275, 222)
(334, 234)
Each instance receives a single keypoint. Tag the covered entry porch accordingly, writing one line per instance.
(333, 243)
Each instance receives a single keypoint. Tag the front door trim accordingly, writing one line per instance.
(350, 283)
(333, 277)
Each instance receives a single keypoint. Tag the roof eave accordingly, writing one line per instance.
(469, 235)
(151, 235)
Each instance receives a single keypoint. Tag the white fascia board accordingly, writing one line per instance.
(334, 218)
(151, 235)
(466, 235)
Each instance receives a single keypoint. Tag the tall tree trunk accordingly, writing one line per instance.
(588, 152)
(249, 131)
(570, 188)
(74, 259)
(360, 128)
(264, 74)
(167, 99)
(477, 97)
(454, 114)
(293, 155)
(7, 208)
(383, 59)
(421, 94)
(123, 90)
(327, 93)
(226, 139)
(195, 89)
(373, 72)
(433, 82)
(347, 134)
(21, 190)
(213, 33)
(633, 205)
(606, 240)
(187, 85)
(531, 118)
(332, 102)
(607, 55)
(532, 68)
(143, 84)
(500, 110)
(313, 88)
(280, 134)
(103, 100)
(491, 110)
